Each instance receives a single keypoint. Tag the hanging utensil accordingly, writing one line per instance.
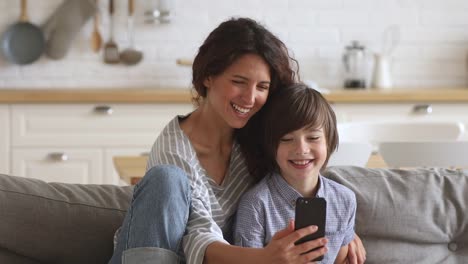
(111, 50)
(391, 39)
(64, 24)
(130, 55)
(162, 13)
(23, 42)
(96, 39)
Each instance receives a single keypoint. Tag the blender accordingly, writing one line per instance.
(355, 65)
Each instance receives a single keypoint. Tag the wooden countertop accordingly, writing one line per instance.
(147, 95)
(96, 96)
(443, 95)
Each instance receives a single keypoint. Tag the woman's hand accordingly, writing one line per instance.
(356, 251)
(282, 249)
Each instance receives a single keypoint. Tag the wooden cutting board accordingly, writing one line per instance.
(130, 168)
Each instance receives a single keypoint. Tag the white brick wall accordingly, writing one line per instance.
(432, 52)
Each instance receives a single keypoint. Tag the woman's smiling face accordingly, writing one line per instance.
(240, 91)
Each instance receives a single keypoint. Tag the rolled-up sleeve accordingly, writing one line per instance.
(201, 231)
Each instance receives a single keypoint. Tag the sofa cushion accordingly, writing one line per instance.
(12, 258)
(58, 222)
(409, 216)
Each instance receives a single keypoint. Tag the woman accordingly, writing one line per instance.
(182, 209)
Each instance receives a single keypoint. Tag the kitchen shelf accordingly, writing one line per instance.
(147, 95)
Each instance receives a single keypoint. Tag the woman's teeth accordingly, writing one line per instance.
(241, 109)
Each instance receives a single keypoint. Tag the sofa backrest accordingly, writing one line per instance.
(409, 216)
(403, 216)
(58, 223)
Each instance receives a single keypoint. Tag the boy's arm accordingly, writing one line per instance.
(280, 250)
(342, 256)
(249, 224)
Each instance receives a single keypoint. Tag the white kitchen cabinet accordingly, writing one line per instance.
(59, 164)
(91, 125)
(90, 135)
(4, 139)
(354, 112)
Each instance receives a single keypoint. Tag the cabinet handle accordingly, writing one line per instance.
(424, 109)
(58, 156)
(103, 109)
(144, 154)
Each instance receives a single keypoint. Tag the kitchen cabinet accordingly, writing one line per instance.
(69, 165)
(76, 142)
(91, 126)
(4, 139)
(406, 112)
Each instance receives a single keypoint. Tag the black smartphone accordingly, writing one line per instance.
(311, 211)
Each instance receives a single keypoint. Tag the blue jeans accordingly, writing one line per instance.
(155, 223)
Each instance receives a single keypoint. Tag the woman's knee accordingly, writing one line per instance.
(168, 179)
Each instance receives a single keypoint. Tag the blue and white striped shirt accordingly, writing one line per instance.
(267, 208)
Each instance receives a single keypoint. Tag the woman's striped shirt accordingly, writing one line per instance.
(213, 206)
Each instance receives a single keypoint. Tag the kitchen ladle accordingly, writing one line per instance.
(96, 39)
(130, 55)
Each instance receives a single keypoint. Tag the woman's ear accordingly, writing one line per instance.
(207, 82)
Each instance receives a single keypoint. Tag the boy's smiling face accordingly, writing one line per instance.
(300, 156)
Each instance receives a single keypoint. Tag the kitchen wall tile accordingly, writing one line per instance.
(435, 36)
(444, 52)
(317, 4)
(399, 16)
(447, 17)
(308, 35)
(344, 18)
(437, 4)
(432, 51)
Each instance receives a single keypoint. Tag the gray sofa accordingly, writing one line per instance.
(404, 216)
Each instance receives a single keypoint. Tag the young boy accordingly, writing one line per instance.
(295, 141)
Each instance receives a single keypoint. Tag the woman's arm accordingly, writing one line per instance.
(356, 251)
(281, 250)
(341, 258)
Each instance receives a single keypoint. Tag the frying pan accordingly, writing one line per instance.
(23, 42)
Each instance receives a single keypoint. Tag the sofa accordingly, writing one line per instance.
(403, 216)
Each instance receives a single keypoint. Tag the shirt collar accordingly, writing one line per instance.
(288, 193)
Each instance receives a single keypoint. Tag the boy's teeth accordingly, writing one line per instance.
(300, 162)
(241, 109)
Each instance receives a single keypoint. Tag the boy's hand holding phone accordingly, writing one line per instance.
(283, 249)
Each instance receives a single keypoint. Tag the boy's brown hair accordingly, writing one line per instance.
(291, 108)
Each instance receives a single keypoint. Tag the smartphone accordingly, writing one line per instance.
(311, 211)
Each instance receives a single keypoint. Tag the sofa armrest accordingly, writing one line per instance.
(58, 222)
